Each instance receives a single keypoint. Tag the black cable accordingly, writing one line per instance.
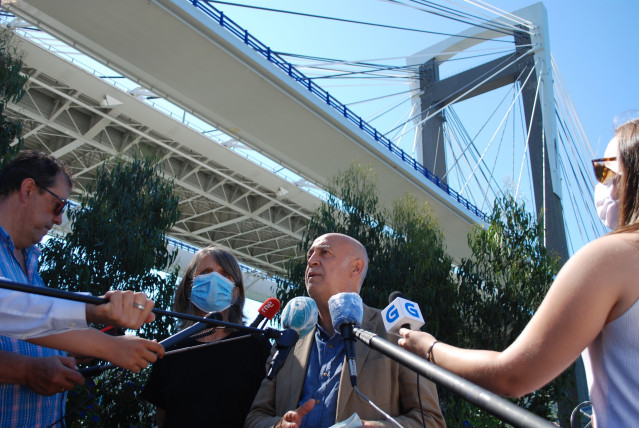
(421, 406)
(350, 21)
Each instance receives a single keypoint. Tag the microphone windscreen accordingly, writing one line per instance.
(394, 295)
(269, 308)
(346, 308)
(300, 314)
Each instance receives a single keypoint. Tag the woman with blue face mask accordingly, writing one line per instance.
(214, 381)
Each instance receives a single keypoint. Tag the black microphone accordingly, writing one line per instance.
(283, 345)
(347, 311)
(167, 343)
(183, 335)
(298, 319)
(267, 311)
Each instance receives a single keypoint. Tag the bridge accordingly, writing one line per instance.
(231, 93)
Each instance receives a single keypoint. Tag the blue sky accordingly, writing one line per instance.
(593, 45)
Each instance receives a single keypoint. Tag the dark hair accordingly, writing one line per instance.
(43, 168)
(627, 136)
(229, 265)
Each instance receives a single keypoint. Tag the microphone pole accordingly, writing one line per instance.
(492, 403)
(68, 295)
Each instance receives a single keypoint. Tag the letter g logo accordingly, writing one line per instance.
(392, 314)
(411, 309)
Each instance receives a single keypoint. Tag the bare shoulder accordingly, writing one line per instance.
(610, 265)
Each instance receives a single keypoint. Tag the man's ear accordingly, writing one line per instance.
(358, 266)
(27, 187)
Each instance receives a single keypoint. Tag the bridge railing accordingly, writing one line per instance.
(288, 68)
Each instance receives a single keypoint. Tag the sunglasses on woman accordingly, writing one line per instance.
(62, 204)
(602, 172)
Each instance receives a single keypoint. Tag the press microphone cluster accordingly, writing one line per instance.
(347, 311)
(298, 319)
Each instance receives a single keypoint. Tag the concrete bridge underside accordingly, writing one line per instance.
(178, 53)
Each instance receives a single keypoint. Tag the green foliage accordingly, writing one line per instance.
(407, 256)
(12, 83)
(500, 287)
(118, 242)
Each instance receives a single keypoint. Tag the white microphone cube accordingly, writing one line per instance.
(401, 312)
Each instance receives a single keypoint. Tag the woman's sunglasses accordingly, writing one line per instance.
(602, 172)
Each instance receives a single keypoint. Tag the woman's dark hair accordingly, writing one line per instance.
(229, 264)
(43, 168)
(627, 136)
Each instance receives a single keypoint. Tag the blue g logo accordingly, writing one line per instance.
(392, 314)
(412, 309)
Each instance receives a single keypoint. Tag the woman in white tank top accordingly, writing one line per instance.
(592, 304)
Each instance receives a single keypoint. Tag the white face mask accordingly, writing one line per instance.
(606, 195)
(606, 204)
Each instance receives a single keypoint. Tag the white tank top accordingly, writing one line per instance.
(614, 372)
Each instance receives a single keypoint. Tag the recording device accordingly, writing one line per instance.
(347, 311)
(401, 313)
(267, 311)
(298, 319)
(283, 345)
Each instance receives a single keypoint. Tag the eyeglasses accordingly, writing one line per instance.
(59, 209)
(602, 172)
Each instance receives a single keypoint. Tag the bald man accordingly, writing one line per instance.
(313, 388)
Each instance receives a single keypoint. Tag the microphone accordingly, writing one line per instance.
(298, 319)
(283, 345)
(347, 311)
(181, 336)
(267, 311)
(300, 314)
(168, 343)
(401, 313)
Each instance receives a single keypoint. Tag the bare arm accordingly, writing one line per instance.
(594, 287)
(129, 352)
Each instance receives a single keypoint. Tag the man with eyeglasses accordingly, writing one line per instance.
(34, 188)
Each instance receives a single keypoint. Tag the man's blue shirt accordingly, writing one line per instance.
(325, 365)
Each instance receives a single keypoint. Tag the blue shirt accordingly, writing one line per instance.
(325, 365)
(19, 406)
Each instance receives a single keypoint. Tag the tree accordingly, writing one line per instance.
(500, 288)
(404, 245)
(118, 241)
(12, 83)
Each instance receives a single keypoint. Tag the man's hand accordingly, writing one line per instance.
(134, 353)
(124, 309)
(51, 375)
(293, 418)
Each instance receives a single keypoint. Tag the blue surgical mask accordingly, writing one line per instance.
(212, 292)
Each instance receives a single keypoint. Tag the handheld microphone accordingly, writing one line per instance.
(283, 345)
(267, 311)
(401, 313)
(300, 314)
(168, 343)
(298, 319)
(347, 311)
